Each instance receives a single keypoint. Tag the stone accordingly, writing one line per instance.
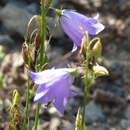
(125, 123)
(80, 4)
(93, 113)
(116, 90)
(124, 5)
(66, 125)
(57, 32)
(54, 123)
(3, 2)
(15, 19)
(127, 32)
(115, 68)
(43, 126)
(7, 103)
(97, 3)
(6, 41)
(128, 98)
(55, 55)
(21, 4)
(55, 3)
(33, 8)
(127, 112)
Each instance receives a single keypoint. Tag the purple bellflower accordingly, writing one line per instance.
(75, 24)
(54, 85)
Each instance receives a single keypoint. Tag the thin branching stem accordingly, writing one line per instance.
(43, 29)
(42, 54)
(86, 81)
(37, 116)
(27, 98)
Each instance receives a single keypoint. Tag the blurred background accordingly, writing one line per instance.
(108, 98)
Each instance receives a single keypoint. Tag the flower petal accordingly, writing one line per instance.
(94, 26)
(49, 75)
(60, 103)
(81, 21)
(43, 95)
(40, 93)
(74, 47)
(72, 94)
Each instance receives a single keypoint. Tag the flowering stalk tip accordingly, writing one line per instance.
(75, 24)
(59, 12)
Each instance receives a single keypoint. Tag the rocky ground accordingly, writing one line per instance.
(109, 97)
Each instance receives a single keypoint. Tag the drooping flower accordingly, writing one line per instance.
(75, 24)
(54, 85)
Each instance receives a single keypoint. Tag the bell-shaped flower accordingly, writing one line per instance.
(54, 85)
(75, 24)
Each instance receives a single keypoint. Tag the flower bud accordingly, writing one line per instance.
(38, 19)
(100, 70)
(97, 48)
(78, 120)
(60, 12)
(16, 99)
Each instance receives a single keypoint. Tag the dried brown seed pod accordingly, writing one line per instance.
(35, 47)
(17, 117)
(25, 52)
(83, 46)
(37, 40)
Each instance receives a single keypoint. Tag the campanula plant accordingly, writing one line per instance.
(53, 85)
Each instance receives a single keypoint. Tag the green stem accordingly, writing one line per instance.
(34, 86)
(28, 127)
(86, 82)
(33, 91)
(43, 29)
(36, 116)
(27, 98)
(48, 5)
(42, 54)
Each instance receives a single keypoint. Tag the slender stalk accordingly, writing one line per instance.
(86, 82)
(43, 29)
(33, 91)
(37, 116)
(48, 6)
(42, 55)
(34, 86)
(27, 98)
(28, 127)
